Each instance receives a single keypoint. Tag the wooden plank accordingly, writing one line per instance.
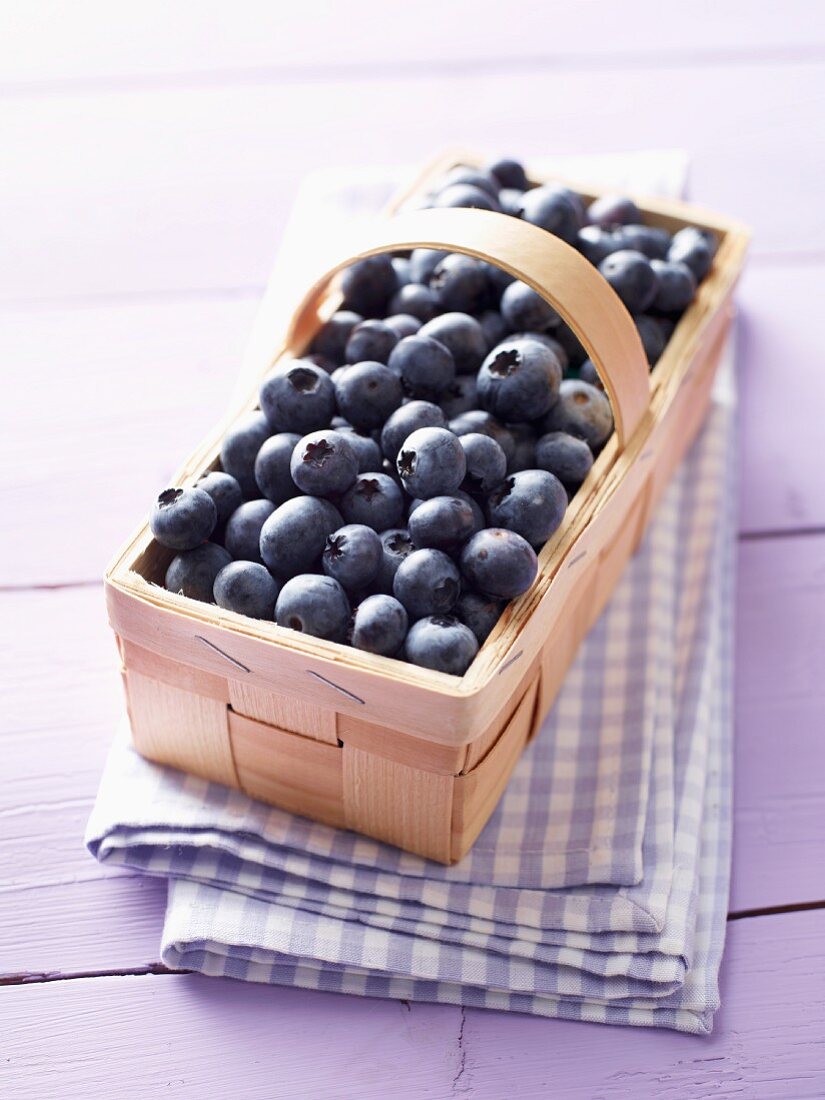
(190, 196)
(477, 793)
(782, 385)
(398, 804)
(298, 774)
(182, 729)
(186, 1036)
(198, 42)
(192, 1036)
(114, 399)
(767, 1041)
(780, 702)
(174, 673)
(446, 759)
(283, 711)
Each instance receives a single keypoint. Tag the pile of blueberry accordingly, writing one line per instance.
(394, 486)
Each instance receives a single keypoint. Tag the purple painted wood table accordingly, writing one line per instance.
(150, 154)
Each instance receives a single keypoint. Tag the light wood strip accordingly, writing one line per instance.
(401, 747)
(477, 793)
(180, 728)
(295, 773)
(398, 804)
(174, 673)
(288, 712)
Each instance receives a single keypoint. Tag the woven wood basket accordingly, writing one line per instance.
(413, 757)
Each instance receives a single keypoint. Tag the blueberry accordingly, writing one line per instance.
(379, 625)
(324, 463)
(331, 339)
(404, 421)
(374, 500)
(423, 262)
(477, 420)
(442, 523)
(420, 301)
(396, 545)
(549, 342)
(461, 284)
(426, 367)
(369, 284)
(632, 277)
(652, 337)
(497, 279)
(326, 365)
(475, 177)
(588, 373)
(570, 342)
(614, 210)
(510, 199)
(693, 247)
(240, 447)
(427, 582)
(508, 173)
(523, 309)
(566, 456)
(583, 411)
(531, 502)
(519, 380)
(494, 327)
(225, 492)
(367, 451)
(442, 643)
(479, 519)
(479, 613)
(403, 324)
(551, 208)
(460, 396)
(272, 472)
(314, 605)
(373, 340)
(431, 462)
(486, 462)
(294, 536)
(499, 563)
(297, 397)
(524, 448)
(462, 336)
(367, 393)
(247, 588)
(192, 573)
(352, 555)
(647, 239)
(242, 537)
(465, 194)
(183, 518)
(597, 243)
(402, 270)
(676, 286)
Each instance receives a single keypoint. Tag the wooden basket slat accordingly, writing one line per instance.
(287, 712)
(400, 753)
(181, 728)
(298, 774)
(476, 794)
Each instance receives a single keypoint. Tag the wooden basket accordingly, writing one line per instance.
(413, 757)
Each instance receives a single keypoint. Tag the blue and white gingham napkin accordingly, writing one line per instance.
(598, 890)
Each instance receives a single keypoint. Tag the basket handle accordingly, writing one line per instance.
(552, 268)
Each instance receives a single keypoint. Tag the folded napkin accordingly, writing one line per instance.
(598, 889)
